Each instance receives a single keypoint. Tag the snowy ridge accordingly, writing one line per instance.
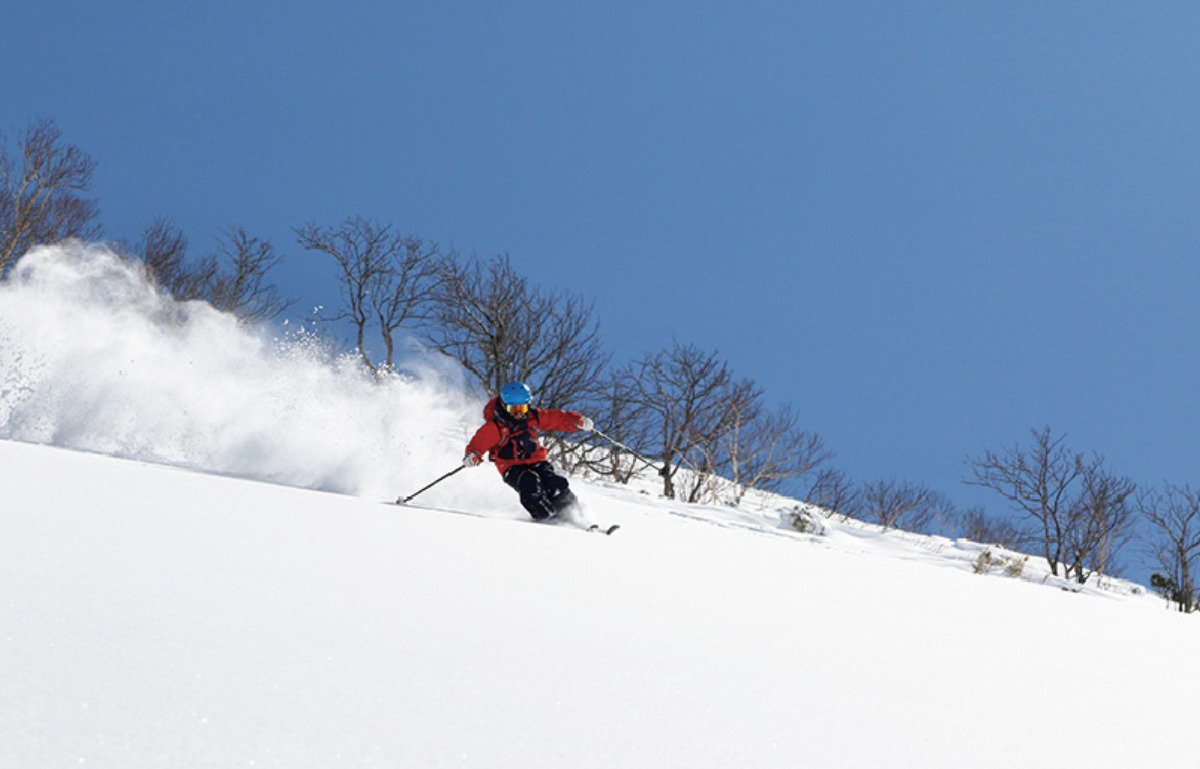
(774, 515)
(197, 570)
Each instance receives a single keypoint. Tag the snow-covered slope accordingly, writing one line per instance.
(197, 570)
(159, 617)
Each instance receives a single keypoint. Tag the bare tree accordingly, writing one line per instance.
(40, 192)
(976, 525)
(727, 454)
(163, 250)
(1078, 507)
(1100, 522)
(1038, 482)
(242, 289)
(489, 318)
(678, 393)
(613, 409)
(1174, 514)
(832, 490)
(233, 280)
(762, 448)
(387, 280)
(900, 504)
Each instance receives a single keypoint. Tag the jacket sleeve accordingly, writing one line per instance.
(554, 419)
(485, 439)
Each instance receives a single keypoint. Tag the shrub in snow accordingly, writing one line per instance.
(1011, 564)
(804, 520)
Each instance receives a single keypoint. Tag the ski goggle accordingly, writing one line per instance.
(517, 409)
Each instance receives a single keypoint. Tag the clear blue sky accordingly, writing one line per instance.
(931, 226)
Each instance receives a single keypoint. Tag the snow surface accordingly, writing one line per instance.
(197, 570)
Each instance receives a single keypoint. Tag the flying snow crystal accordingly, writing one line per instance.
(94, 357)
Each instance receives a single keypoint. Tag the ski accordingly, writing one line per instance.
(571, 522)
(572, 516)
(591, 528)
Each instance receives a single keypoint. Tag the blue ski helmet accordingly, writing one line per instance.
(516, 394)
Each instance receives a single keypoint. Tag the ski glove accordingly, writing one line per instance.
(472, 460)
(586, 423)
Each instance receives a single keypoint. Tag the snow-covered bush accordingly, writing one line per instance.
(805, 520)
(1012, 564)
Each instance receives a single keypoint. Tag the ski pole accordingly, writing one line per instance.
(405, 500)
(620, 445)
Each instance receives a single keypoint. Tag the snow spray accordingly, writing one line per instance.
(93, 357)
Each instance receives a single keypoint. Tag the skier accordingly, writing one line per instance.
(509, 437)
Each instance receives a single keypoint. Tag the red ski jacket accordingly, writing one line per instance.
(508, 441)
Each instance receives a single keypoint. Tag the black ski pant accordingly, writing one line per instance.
(544, 493)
